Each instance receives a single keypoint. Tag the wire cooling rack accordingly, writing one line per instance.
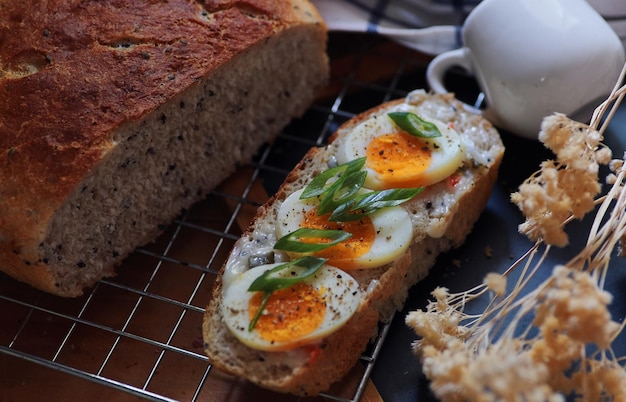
(138, 335)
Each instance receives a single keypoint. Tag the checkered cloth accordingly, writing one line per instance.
(403, 13)
(439, 21)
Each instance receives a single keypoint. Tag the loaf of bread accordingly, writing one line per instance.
(116, 115)
(440, 216)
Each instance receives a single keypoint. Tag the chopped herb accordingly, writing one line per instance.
(317, 187)
(341, 191)
(414, 125)
(326, 238)
(368, 203)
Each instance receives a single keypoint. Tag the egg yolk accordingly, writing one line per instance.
(289, 313)
(399, 158)
(344, 254)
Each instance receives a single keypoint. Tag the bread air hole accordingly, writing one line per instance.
(27, 63)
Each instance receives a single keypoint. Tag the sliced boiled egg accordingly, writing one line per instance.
(298, 315)
(397, 159)
(377, 239)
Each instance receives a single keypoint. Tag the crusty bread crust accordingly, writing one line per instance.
(92, 90)
(442, 217)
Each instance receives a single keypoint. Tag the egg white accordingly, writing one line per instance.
(393, 227)
(341, 294)
(447, 150)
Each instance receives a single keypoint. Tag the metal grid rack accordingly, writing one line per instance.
(138, 335)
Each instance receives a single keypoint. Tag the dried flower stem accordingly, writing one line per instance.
(552, 341)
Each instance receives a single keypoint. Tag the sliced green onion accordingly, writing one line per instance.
(341, 191)
(414, 125)
(317, 186)
(268, 282)
(368, 203)
(292, 241)
(255, 319)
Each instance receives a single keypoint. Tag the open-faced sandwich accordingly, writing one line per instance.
(355, 224)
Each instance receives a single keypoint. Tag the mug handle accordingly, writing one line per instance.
(438, 67)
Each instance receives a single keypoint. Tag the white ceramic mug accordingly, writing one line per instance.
(532, 58)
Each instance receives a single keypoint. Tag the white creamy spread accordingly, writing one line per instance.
(261, 240)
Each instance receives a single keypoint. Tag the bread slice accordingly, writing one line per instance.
(115, 116)
(442, 216)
